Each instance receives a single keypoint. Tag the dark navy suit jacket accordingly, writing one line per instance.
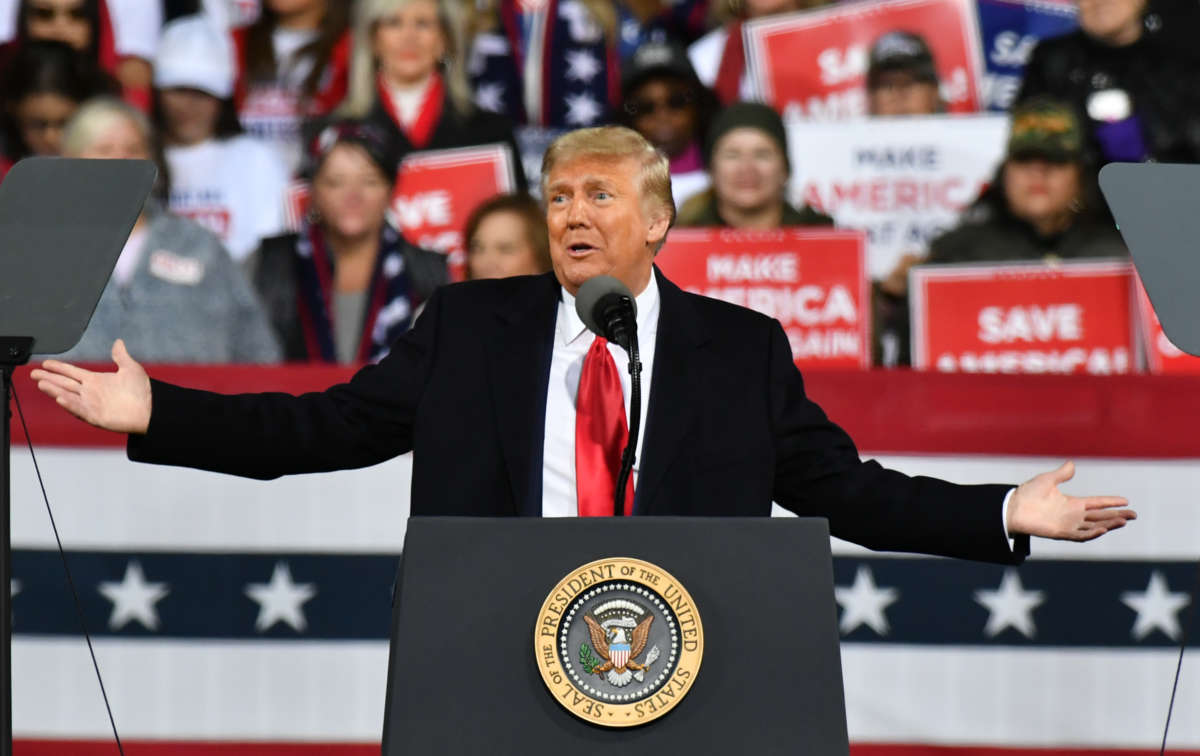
(729, 428)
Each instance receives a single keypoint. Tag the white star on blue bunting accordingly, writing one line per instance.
(1156, 608)
(133, 598)
(863, 603)
(281, 600)
(1010, 606)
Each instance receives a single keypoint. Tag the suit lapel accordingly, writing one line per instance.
(673, 392)
(519, 344)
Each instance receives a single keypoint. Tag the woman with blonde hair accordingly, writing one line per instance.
(175, 294)
(407, 79)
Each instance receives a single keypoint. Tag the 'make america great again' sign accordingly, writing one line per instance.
(814, 282)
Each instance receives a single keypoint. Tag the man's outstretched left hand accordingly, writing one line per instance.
(1039, 508)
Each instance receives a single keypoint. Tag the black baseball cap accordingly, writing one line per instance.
(901, 51)
(656, 59)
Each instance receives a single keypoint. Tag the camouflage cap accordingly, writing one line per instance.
(1045, 128)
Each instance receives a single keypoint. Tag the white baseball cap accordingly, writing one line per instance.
(193, 52)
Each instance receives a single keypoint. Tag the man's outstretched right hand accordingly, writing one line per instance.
(117, 401)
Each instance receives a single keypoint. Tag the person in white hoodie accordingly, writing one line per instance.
(227, 181)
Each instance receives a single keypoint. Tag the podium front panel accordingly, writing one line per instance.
(463, 677)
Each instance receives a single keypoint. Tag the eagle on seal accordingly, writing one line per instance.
(619, 646)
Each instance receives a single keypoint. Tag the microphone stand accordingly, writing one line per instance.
(635, 406)
(14, 351)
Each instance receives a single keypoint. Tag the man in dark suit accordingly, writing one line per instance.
(502, 395)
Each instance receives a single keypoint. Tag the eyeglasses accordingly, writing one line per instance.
(677, 101)
(51, 12)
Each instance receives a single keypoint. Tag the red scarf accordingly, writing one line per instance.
(428, 116)
(728, 85)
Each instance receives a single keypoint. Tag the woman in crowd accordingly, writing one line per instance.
(1137, 100)
(293, 63)
(720, 57)
(175, 295)
(747, 158)
(231, 183)
(407, 80)
(507, 236)
(664, 102)
(344, 287)
(41, 88)
(117, 36)
(1044, 203)
(82, 24)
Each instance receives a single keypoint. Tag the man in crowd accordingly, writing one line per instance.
(901, 77)
(517, 410)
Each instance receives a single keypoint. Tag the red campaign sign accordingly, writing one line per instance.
(813, 64)
(436, 190)
(1067, 318)
(814, 282)
(1162, 357)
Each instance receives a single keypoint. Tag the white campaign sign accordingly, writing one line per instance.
(902, 180)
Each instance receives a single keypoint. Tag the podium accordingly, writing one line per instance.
(644, 635)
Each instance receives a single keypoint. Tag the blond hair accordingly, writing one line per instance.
(360, 96)
(95, 116)
(616, 143)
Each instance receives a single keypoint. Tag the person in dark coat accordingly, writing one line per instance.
(746, 155)
(348, 284)
(1136, 98)
(491, 392)
(1043, 204)
(407, 78)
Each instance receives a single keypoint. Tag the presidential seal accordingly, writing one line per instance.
(618, 642)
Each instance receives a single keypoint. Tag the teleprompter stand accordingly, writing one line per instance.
(63, 224)
(1155, 207)
(464, 678)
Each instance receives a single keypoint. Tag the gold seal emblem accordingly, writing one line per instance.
(618, 642)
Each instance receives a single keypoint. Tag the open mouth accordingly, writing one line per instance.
(580, 249)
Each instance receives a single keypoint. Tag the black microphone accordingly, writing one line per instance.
(608, 309)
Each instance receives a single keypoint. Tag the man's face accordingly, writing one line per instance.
(600, 224)
(900, 93)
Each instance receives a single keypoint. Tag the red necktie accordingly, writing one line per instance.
(601, 434)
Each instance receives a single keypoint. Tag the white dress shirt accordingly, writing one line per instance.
(572, 340)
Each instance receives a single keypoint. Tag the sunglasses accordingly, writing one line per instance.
(50, 12)
(677, 101)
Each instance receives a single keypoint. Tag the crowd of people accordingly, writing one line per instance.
(238, 101)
